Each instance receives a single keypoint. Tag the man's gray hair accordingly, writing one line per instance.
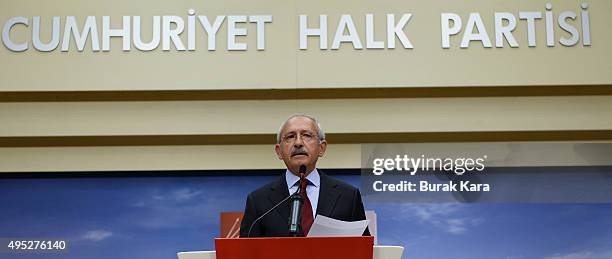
(320, 132)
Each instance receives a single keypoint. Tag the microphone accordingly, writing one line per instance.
(302, 173)
(296, 193)
(296, 206)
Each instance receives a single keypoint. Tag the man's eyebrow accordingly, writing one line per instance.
(301, 131)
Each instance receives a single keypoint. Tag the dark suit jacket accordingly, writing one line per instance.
(337, 200)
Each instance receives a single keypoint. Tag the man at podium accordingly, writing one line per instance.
(300, 142)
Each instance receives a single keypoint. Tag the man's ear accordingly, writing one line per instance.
(322, 148)
(277, 149)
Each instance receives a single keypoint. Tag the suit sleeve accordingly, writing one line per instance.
(358, 210)
(250, 214)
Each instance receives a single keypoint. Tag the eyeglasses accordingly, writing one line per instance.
(305, 136)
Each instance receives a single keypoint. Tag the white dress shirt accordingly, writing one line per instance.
(312, 189)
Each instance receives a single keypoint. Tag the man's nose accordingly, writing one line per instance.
(298, 142)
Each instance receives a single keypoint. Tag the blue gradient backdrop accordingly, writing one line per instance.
(155, 217)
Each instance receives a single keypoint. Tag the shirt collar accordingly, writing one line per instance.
(313, 177)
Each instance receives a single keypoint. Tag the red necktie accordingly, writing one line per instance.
(306, 214)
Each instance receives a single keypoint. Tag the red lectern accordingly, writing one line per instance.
(295, 248)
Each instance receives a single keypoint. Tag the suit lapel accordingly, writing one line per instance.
(278, 192)
(328, 196)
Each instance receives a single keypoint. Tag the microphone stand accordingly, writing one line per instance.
(296, 207)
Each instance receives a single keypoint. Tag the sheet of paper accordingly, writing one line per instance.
(328, 227)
